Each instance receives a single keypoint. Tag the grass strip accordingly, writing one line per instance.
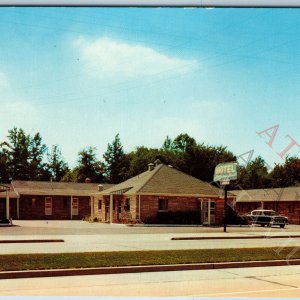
(18, 262)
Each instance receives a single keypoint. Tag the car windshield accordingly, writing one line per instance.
(264, 212)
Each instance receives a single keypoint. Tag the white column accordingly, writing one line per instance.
(111, 199)
(139, 207)
(92, 207)
(208, 207)
(7, 204)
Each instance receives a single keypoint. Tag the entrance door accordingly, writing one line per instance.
(106, 210)
(207, 212)
(119, 208)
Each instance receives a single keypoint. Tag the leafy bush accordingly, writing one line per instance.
(176, 217)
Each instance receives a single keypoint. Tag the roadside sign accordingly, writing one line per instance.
(226, 171)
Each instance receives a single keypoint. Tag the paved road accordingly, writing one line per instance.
(87, 237)
(248, 282)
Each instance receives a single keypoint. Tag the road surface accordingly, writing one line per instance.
(247, 282)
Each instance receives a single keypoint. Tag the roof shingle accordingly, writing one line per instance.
(55, 188)
(164, 180)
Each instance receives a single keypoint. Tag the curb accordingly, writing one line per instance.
(234, 237)
(140, 269)
(31, 241)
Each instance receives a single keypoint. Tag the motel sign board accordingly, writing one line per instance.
(226, 171)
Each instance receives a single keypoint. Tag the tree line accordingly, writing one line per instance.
(26, 157)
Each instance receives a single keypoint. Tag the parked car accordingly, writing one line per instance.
(267, 217)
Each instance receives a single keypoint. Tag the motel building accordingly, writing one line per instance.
(47, 200)
(285, 201)
(161, 190)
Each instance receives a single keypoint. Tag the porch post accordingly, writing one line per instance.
(71, 204)
(92, 206)
(7, 204)
(139, 207)
(208, 213)
(111, 199)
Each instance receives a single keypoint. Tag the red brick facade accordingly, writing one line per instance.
(290, 209)
(33, 208)
(149, 207)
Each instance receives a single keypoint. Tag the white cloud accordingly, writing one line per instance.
(115, 59)
(4, 83)
(16, 114)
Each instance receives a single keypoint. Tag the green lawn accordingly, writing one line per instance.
(134, 258)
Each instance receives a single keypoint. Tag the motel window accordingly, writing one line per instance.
(99, 205)
(162, 204)
(127, 204)
(48, 206)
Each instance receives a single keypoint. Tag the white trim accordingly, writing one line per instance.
(111, 203)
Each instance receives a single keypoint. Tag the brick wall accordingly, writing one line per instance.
(149, 206)
(119, 209)
(290, 209)
(30, 209)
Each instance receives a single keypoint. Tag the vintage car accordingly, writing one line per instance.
(267, 217)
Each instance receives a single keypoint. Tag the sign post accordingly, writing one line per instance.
(224, 173)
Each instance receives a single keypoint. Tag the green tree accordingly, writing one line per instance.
(88, 166)
(256, 174)
(4, 172)
(139, 160)
(16, 150)
(183, 142)
(287, 174)
(37, 167)
(70, 176)
(116, 162)
(57, 167)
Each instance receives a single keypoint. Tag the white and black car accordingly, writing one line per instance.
(265, 217)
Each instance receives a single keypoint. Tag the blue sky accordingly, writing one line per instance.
(79, 76)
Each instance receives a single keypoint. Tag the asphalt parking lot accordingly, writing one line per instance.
(86, 228)
(81, 236)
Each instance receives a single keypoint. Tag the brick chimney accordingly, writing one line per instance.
(88, 180)
(150, 167)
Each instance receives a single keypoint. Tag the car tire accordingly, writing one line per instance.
(282, 226)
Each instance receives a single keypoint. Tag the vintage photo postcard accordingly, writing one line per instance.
(149, 152)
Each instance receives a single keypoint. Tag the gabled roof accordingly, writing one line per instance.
(164, 180)
(267, 195)
(55, 188)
